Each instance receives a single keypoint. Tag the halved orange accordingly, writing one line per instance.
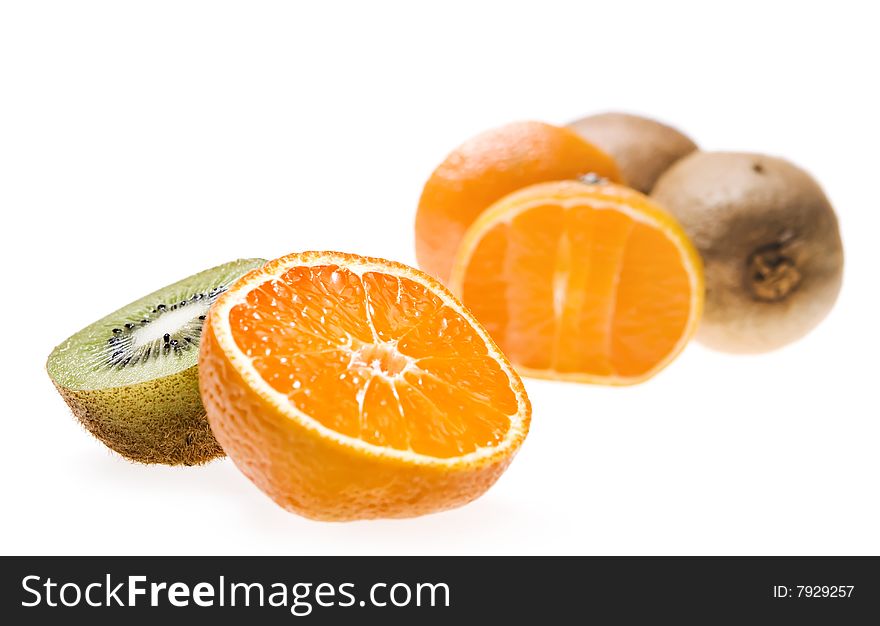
(488, 167)
(582, 282)
(348, 387)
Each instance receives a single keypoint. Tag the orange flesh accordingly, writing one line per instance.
(375, 357)
(579, 289)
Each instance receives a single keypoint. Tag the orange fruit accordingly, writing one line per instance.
(488, 167)
(591, 283)
(348, 387)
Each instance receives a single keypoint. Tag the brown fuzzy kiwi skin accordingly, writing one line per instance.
(643, 148)
(156, 421)
(770, 243)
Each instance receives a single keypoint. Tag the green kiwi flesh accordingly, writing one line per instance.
(770, 243)
(643, 148)
(131, 378)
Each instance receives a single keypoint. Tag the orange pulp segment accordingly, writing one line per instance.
(583, 282)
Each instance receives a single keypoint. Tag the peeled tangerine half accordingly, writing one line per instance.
(581, 282)
(348, 387)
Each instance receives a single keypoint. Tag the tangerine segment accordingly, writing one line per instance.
(348, 387)
(581, 282)
(488, 167)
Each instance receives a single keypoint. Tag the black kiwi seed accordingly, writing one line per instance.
(123, 351)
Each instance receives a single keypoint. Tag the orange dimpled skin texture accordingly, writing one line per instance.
(488, 167)
(590, 283)
(347, 387)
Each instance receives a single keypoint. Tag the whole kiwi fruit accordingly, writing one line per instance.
(643, 148)
(770, 244)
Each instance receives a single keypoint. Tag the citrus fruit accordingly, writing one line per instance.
(582, 282)
(488, 167)
(348, 387)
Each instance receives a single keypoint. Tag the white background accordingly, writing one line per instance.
(142, 142)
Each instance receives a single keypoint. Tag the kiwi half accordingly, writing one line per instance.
(770, 244)
(643, 148)
(131, 377)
